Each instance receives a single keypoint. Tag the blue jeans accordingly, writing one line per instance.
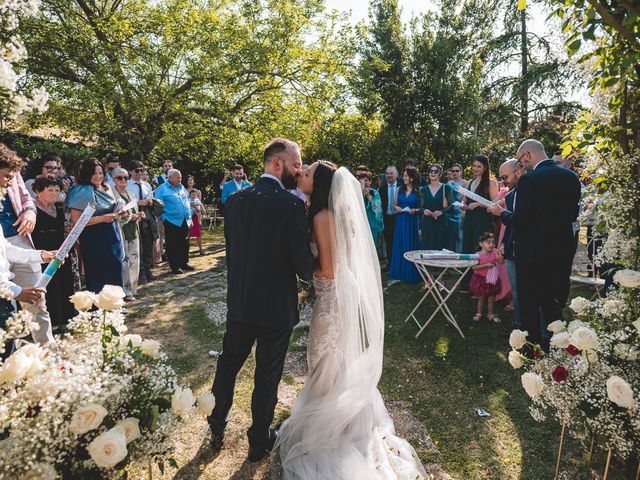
(511, 272)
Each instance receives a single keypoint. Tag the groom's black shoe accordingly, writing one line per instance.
(258, 451)
(217, 432)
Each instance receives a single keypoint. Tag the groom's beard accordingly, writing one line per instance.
(288, 180)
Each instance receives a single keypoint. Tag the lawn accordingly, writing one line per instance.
(436, 381)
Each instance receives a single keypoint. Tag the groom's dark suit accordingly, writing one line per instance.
(267, 245)
(546, 205)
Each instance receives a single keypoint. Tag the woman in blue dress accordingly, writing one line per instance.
(405, 234)
(434, 203)
(100, 241)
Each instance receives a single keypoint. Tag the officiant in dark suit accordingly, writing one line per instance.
(267, 246)
(545, 208)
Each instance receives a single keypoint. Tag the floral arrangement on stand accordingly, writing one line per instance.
(590, 379)
(92, 403)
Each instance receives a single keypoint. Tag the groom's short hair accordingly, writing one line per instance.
(277, 146)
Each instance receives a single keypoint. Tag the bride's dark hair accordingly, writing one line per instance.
(321, 187)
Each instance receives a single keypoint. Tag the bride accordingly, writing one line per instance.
(339, 428)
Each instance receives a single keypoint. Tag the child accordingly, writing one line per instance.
(197, 209)
(485, 281)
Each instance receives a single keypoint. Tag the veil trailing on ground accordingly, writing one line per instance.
(339, 427)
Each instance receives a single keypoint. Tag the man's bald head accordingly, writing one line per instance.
(530, 153)
(510, 172)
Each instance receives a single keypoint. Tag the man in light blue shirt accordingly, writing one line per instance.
(234, 185)
(177, 220)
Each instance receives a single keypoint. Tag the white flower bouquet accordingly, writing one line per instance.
(590, 380)
(93, 402)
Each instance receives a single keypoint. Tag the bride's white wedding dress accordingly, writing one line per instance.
(339, 428)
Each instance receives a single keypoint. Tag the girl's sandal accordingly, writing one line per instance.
(477, 317)
(494, 318)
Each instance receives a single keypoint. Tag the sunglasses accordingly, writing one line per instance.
(455, 171)
(138, 170)
(121, 178)
(503, 178)
(51, 168)
(434, 170)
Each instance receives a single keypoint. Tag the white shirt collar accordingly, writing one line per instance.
(272, 177)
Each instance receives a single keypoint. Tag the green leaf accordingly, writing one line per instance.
(161, 467)
(574, 46)
(173, 463)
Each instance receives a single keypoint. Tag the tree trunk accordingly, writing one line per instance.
(524, 85)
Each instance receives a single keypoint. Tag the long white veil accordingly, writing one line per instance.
(339, 414)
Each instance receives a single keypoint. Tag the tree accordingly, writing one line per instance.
(383, 82)
(542, 79)
(14, 101)
(154, 78)
(446, 63)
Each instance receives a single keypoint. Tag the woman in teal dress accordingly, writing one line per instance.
(405, 233)
(373, 207)
(100, 241)
(477, 220)
(434, 203)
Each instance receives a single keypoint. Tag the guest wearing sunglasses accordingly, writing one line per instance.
(453, 214)
(148, 225)
(130, 231)
(433, 205)
(44, 165)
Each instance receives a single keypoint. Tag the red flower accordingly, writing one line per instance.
(537, 353)
(573, 350)
(560, 374)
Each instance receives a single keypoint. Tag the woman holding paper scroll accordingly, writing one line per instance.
(405, 234)
(477, 220)
(49, 234)
(433, 205)
(100, 241)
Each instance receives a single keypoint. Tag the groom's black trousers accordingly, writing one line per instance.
(271, 349)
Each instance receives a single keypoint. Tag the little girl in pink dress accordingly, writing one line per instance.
(485, 282)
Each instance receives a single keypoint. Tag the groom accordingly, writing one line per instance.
(266, 247)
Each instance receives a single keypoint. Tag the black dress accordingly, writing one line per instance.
(49, 235)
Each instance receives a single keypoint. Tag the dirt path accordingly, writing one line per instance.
(185, 313)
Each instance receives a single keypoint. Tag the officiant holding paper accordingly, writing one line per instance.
(544, 245)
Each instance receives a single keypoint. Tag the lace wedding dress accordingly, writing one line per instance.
(339, 428)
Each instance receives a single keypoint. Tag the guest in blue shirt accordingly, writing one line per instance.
(234, 185)
(177, 220)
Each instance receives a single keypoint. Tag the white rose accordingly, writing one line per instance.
(182, 401)
(557, 326)
(136, 340)
(131, 428)
(589, 356)
(627, 278)
(205, 404)
(150, 348)
(560, 340)
(110, 298)
(36, 353)
(515, 359)
(42, 471)
(579, 305)
(517, 339)
(82, 301)
(16, 367)
(584, 339)
(109, 448)
(576, 324)
(87, 418)
(625, 352)
(637, 325)
(620, 392)
(532, 383)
